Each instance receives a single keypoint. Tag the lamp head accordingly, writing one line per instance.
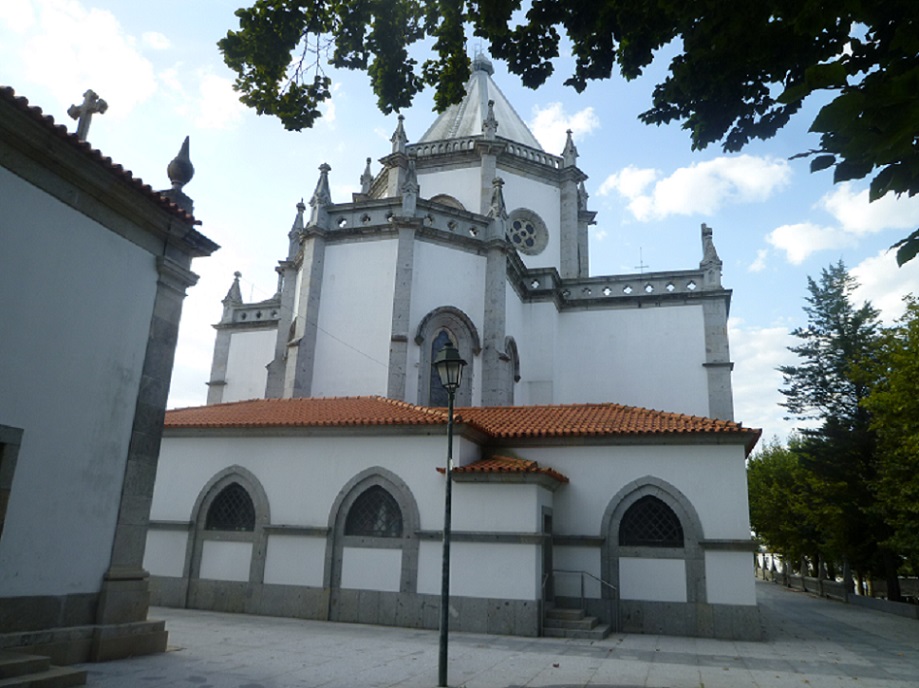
(449, 365)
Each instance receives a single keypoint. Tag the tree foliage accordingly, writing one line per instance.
(894, 405)
(841, 356)
(741, 69)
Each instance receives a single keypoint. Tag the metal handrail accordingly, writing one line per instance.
(610, 600)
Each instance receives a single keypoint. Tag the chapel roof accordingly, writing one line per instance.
(465, 118)
(508, 465)
(498, 422)
(93, 155)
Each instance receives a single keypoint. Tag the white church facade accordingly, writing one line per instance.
(308, 484)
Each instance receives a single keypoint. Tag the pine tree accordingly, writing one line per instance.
(838, 350)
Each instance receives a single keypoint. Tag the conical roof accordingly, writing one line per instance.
(465, 118)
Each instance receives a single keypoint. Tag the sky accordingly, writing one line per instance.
(158, 68)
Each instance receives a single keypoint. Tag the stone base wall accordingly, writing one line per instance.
(409, 610)
(63, 628)
(698, 620)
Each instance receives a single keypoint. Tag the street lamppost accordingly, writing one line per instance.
(449, 365)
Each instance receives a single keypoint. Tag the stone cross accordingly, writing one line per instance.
(84, 113)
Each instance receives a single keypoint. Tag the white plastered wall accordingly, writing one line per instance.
(463, 183)
(77, 302)
(542, 198)
(250, 352)
(355, 319)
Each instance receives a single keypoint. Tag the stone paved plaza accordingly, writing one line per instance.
(810, 642)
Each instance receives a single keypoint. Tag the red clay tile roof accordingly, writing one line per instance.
(508, 464)
(8, 95)
(308, 412)
(504, 422)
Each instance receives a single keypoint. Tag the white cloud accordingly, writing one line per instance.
(757, 353)
(550, 124)
(219, 106)
(74, 49)
(700, 189)
(155, 40)
(759, 264)
(884, 284)
(798, 241)
(17, 15)
(857, 215)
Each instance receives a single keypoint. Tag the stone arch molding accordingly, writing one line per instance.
(408, 543)
(258, 537)
(693, 534)
(464, 334)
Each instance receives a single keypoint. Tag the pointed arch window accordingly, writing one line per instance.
(649, 522)
(232, 510)
(374, 514)
(438, 395)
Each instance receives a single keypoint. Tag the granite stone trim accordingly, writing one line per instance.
(336, 541)
(578, 540)
(408, 609)
(401, 314)
(692, 551)
(464, 333)
(38, 612)
(10, 441)
(729, 545)
(693, 619)
(258, 537)
(482, 537)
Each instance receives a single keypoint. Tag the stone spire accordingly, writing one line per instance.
(322, 198)
(582, 196)
(180, 172)
(399, 139)
(570, 153)
(367, 178)
(497, 209)
(234, 296)
(410, 190)
(84, 112)
(296, 231)
(490, 124)
(710, 262)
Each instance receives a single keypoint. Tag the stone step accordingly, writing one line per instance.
(32, 671)
(595, 633)
(583, 624)
(563, 614)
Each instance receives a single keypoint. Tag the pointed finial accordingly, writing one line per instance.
(497, 209)
(322, 196)
(410, 190)
(234, 295)
(481, 63)
(490, 124)
(399, 139)
(298, 220)
(180, 169)
(366, 179)
(710, 262)
(296, 231)
(570, 153)
(180, 172)
(582, 196)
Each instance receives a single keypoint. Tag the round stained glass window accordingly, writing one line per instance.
(527, 232)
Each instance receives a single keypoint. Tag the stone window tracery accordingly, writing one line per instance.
(527, 232)
(375, 513)
(232, 509)
(649, 522)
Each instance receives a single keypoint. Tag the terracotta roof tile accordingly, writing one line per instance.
(8, 95)
(508, 464)
(504, 422)
(307, 412)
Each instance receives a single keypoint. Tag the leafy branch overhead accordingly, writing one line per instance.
(741, 70)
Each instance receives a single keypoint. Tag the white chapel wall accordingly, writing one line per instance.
(355, 319)
(294, 560)
(250, 351)
(655, 580)
(463, 183)
(78, 339)
(542, 198)
(650, 357)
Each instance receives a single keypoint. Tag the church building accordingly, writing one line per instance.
(308, 485)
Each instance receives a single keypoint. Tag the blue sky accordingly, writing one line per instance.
(158, 67)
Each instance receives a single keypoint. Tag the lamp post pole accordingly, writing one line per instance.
(445, 579)
(449, 366)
